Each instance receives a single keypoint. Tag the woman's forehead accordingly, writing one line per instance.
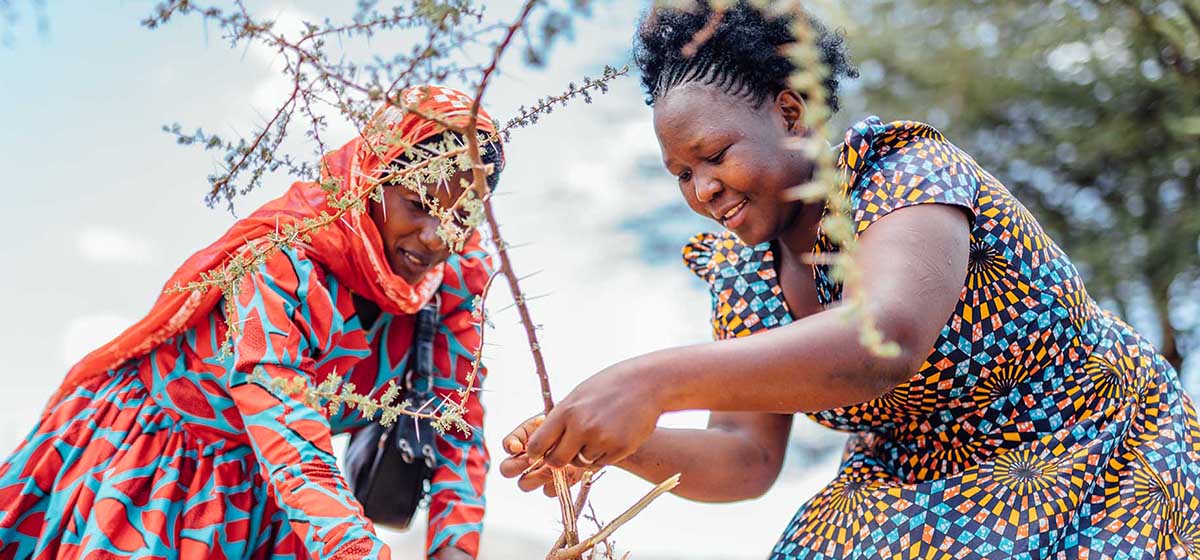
(700, 110)
(448, 192)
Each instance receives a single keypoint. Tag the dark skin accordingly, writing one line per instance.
(413, 247)
(409, 233)
(727, 152)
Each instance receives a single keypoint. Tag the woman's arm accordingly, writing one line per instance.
(912, 264)
(738, 457)
(287, 316)
(457, 503)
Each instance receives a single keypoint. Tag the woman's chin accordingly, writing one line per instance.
(748, 236)
(405, 271)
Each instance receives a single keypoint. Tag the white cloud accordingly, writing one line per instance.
(289, 23)
(86, 333)
(106, 244)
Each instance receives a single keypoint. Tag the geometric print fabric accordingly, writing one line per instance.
(1039, 426)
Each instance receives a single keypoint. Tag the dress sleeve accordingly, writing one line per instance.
(456, 494)
(698, 256)
(289, 319)
(746, 298)
(902, 164)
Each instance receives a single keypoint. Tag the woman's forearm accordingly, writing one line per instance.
(911, 267)
(814, 364)
(716, 465)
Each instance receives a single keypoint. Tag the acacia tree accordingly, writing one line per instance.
(327, 83)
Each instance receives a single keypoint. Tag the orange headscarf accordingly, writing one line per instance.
(350, 248)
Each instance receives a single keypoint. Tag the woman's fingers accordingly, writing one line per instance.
(585, 459)
(514, 466)
(560, 440)
(565, 450)
(545, 437)
(535, 479)
(542, 477)
(574, 475)
(514, 442)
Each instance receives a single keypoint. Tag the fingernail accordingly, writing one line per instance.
(532, 467)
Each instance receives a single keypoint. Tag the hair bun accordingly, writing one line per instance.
(742, 55)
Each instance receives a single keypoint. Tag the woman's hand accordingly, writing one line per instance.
(518, 462)
(605, 419)
(452, 553)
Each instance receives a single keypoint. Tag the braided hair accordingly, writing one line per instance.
(742, 56)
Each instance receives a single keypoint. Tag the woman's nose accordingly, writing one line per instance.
(429, 236)
(707, 188)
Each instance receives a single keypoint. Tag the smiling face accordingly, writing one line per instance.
(409, 233)
(731, 158)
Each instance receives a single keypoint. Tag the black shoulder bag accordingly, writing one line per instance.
(390, 469)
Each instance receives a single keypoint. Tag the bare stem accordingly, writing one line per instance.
(574, 552)
(585, 486)
(478, 174)
(539, 363)
(220, 183)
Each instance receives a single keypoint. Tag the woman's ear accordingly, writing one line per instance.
(791, 106)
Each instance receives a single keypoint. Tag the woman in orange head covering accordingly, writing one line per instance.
(159, 444)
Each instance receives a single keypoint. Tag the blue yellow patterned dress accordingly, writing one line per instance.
(1040, 426)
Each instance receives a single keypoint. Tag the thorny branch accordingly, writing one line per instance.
(356, 97)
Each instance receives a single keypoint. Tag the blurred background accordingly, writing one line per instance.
(1088, 110)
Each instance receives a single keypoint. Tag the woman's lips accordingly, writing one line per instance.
(416, 260)
(736, 215)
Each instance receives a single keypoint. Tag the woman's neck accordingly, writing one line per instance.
(800, 237)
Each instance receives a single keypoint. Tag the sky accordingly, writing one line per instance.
(100, 207)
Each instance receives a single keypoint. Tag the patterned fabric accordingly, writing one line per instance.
(1039, 426)
(182, 453)
(349, 248)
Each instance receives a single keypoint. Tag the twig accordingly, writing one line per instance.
(585, 486)
(478, 172)
(573, 552)
(220, 183)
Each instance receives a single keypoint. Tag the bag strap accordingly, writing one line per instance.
(424, 331)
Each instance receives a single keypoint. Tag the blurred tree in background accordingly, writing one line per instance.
(1088, 110)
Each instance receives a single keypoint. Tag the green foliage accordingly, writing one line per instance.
(334, 393)
(1089, 110)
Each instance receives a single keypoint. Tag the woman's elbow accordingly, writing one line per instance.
(894, 349)
(726, 493)
(741, 482)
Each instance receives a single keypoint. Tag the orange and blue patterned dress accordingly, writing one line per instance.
(1040, 426)
(184, 453)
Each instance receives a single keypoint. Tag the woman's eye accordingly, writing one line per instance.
(717, 157)
(685, 176)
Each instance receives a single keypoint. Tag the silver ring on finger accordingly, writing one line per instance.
(584, 460)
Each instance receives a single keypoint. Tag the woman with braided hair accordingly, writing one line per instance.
(1016, 418)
